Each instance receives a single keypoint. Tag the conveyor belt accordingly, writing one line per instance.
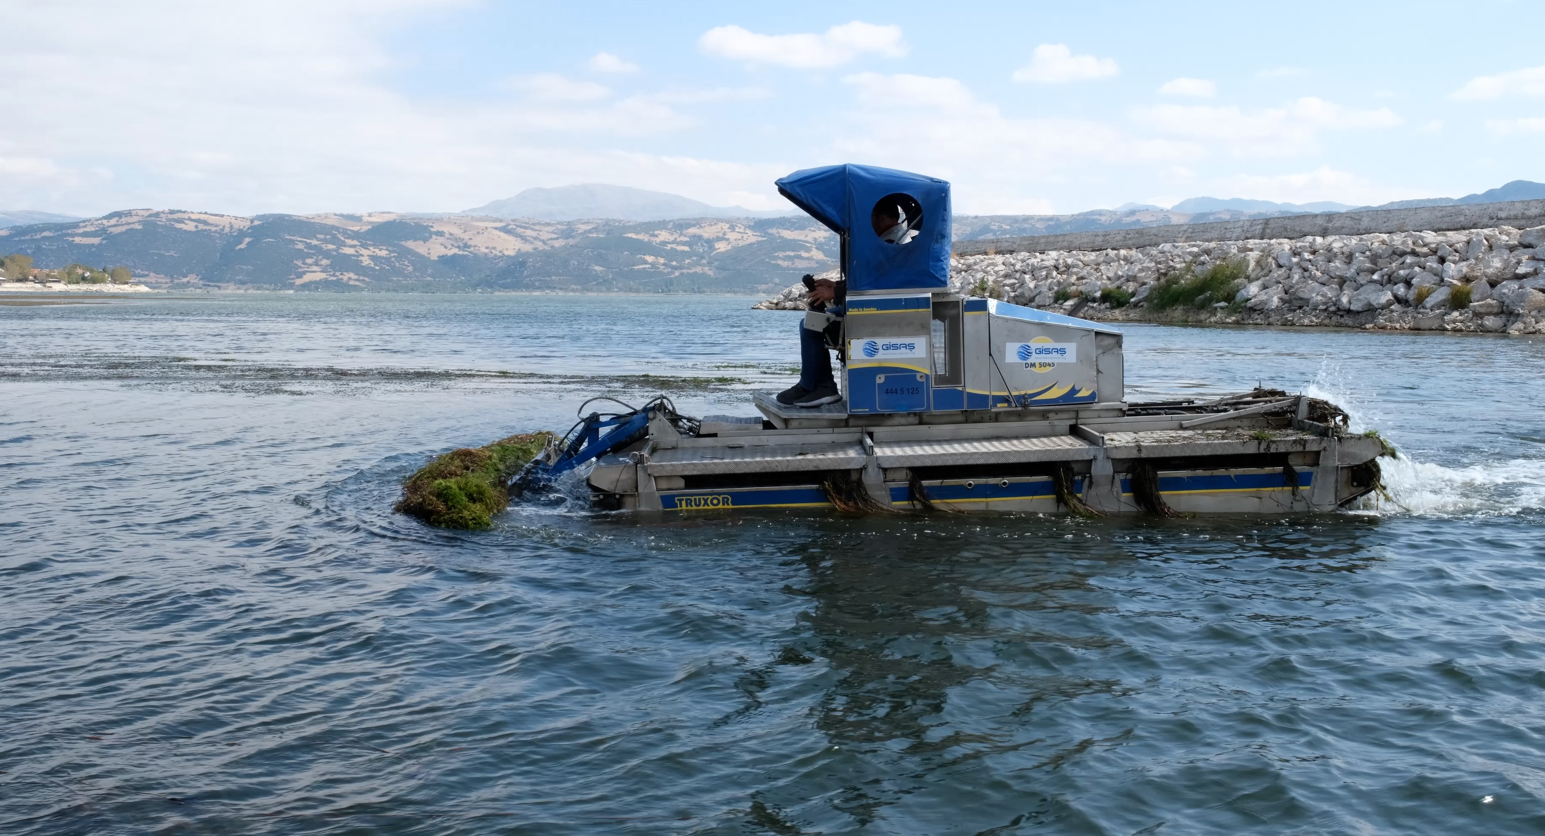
(1184, 443)
(1052, 448)
(779, 458)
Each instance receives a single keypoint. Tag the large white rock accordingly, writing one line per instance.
(1477, 246)
(1532, 237)
(1371, 297)
(1455, 270)
(1505, 292)
(1267, 300)
(1517, 298)
(1480, 291)
(1437, 298)
(1495, 267)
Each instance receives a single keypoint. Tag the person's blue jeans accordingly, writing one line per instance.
(815, 359)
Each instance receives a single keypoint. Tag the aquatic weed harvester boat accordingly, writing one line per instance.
(960, 402)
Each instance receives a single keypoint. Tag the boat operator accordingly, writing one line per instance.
(822, 327)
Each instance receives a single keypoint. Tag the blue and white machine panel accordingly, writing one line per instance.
(888, 373)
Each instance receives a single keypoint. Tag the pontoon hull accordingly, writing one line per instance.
(1109, 460)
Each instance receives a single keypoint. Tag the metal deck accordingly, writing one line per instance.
(767, 401)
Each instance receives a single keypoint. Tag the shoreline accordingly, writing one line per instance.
(43, 288)
(1479, 280)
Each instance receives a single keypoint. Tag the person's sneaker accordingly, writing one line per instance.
(788, 396)
(820, 396)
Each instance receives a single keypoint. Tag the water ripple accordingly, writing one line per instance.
(211, 622)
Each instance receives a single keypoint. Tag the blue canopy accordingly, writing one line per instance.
(844, 196)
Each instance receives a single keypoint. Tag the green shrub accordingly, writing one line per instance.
(1187, 288)
(986, 288)
(16, 266)
(1115, 297)
(1420, 296)
(1062, 295)
(1459, 297)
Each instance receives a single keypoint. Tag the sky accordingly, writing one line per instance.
(442, 105)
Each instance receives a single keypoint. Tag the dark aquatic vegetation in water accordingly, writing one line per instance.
(466, 487)
(212, 622)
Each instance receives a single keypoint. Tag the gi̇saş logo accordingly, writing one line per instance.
(891, 348)
(1040, 354)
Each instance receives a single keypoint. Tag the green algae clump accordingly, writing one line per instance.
(466, 487)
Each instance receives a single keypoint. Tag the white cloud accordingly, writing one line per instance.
(1056, 64)
(837, 46)
(605, 62)
(1283, 131)
(1432, 126)
(1323, 183)
(288, 106)
(28, 167)
(1526, 82)
(999, 163)
(551, 87)
(1199, 88)
(1508, 127)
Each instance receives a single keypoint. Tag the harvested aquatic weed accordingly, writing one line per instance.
(465, 488)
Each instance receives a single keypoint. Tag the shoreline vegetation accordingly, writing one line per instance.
(17, 269)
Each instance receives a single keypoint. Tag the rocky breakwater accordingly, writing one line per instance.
(1487, 280)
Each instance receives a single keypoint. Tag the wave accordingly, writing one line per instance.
(1501, 488)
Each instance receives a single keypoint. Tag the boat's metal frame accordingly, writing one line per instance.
(965, 403)
(1253, 453)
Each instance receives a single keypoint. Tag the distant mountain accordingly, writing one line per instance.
(1237, 204)
(593, 201)
(1415, 204)
(1516, 190)
(391, 251)
(22, 217)
(399, 251)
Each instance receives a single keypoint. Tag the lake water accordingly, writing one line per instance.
(212, 622)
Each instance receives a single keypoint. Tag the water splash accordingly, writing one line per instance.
(1332, 384)
(1495, 489)
(1421, 488)
(567, 496)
